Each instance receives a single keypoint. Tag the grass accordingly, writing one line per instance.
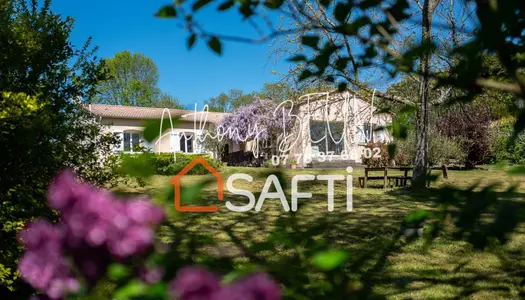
(380, 260)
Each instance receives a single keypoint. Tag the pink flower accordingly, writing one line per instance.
(193, 283)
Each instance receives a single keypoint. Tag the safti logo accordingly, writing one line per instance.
(176, 182)
(265, 193)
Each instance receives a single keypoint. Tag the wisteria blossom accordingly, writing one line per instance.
(260, 120)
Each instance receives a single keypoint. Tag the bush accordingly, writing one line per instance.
(163, 163)
(500, 133)
(469, 126)
(373, 162)
(441, 149)
(400, 159)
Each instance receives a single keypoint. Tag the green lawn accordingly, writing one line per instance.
(380, 260)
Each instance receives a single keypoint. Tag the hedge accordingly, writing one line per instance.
(500, 133)
(164, 165)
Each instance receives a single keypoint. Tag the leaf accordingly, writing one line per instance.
(305, 75)
(368, 4)
(329, 260)
(152, 127)
(325, 3)
(342, 63)
(311, 41)
(239, 273)
(200, 4)
(297, 58)
(191, 40)
(117, 271)
(392, 150)
(167, 11)
(157, 291)
(226, 5)
(341, 11)
(132, 289)
(215, 45)
(517, 170)
(246, 10)
(273, 4)
(193, 194)
(417, 216)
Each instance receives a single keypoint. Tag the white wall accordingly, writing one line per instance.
(162, 144)
(346, 108)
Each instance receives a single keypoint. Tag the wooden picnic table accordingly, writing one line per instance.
(399, 180)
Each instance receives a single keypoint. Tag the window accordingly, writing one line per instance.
(331, 134)
(365, 133)
(186, 143)
(131, 141)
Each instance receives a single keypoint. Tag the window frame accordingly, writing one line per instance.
(326, 141)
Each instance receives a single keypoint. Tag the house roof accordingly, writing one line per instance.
(134, 112)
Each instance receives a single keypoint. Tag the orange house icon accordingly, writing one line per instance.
(176, 183)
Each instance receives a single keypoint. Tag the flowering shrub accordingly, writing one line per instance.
(261, 114)
(97, 231)
(382, 161)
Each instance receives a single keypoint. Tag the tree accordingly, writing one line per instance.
(132, 80)
(228, 102)
(338, 41)
(42, 129)
(167, 101)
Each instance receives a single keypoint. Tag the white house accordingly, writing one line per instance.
(333, 129)
(128, 123)
(329, 129)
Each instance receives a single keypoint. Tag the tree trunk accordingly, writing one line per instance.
(421, 157)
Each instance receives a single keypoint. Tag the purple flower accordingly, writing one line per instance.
(61, 190)
(151, 275)
(232, 292)
(42, 234)
(95, 228)
(259, 119)
(261, 287)
(193, 283)
(258, 286)
(143, 212)
(43, 265)
(133, 240)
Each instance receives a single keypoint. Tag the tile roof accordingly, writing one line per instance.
(134, 112)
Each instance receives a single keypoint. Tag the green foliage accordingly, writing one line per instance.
(152, 128)
(132, 79)
(417, 217)
(42, 130)
(228, 102)
(501, 150)
(164, 163)
(168, 101)
(441, 149)
(329, 260)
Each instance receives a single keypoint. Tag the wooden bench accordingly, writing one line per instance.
(388, 181)
(398, 180)
(363, 181)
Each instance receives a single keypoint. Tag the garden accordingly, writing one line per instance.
(80, 219)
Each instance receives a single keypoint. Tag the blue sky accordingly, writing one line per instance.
(192, 76)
